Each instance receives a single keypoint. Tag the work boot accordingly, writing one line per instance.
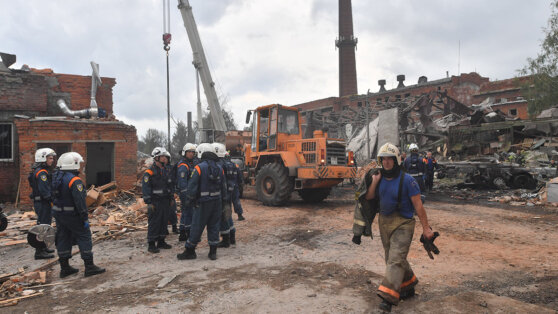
(212, 252)
(161, 244)
(92, 269)
(404, 295)
(42, 254)
(65, 268)
(232, 235)
(49, 250)
(152, 248)
(174, 229)
(189, 253)
(385, 306)
(240, 217)
(182, 237)
(225, 242)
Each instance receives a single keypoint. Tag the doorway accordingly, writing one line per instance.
(99, 166)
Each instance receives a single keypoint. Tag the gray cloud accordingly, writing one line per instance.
(263, 52)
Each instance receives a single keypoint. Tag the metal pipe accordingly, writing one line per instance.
(84, 113)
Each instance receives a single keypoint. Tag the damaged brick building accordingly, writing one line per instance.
(35, 112)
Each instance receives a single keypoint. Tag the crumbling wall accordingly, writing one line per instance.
(23, 92)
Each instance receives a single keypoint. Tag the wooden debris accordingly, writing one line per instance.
(14, 301)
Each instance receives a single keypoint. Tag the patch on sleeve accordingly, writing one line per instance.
(43, 177)
(80, 187)
(182, 174)
(146, 179)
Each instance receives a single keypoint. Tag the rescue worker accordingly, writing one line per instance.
(236, 190)
(206, 188)
(414, 165)
(227, 228)
(430, 165)
(158, 193)
(183, 172)
(398, 197)
(40, 179)
(70, 212)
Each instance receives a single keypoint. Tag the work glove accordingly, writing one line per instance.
(429, 245)
(86, 224)
(356, 239)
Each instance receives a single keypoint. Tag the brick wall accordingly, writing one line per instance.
(80, 89)
(38, 90)
(78, 132)
(23, 92)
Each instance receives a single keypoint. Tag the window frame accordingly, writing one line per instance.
(12, 140)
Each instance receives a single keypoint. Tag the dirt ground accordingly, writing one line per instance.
(300, 258)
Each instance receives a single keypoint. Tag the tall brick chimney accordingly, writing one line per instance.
(347, 46)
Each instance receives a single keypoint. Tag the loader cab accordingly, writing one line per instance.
(273, 122)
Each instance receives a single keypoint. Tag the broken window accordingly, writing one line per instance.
(6, 142)
(513, 112)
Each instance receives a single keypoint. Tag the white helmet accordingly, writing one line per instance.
(159, 151)
(204, 147)
(69, 161)
(42, 153)
(413, 147)
(189, 147)
(389, 150)
(220, 149)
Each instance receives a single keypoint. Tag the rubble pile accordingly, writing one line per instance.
(21, 285)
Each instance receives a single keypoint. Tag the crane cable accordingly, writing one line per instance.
(166, 46)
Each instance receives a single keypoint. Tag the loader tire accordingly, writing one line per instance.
(314, 195)
(273, 186)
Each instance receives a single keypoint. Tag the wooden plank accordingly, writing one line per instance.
(15, 242)
(11, 301)
(107, 186)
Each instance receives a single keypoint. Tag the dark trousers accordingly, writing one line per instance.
(420, 182)
(185, 216)
(43, 209)
(157, 219)
(429, 180)
(206, 214)
(70, 230)
(236, 201)
(172, 213)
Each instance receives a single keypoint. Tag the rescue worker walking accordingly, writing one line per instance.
(414, 165)
(227, 228)
(430, 165)
(70, 212)
(399, 198)
(158, 193)
(236, 190)
(183, 172)
(40, 179)
(206, 187)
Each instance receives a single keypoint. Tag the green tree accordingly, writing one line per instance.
(541, 89)
(179, 138)
(153, 138)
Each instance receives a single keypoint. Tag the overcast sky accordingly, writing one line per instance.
(267, 51)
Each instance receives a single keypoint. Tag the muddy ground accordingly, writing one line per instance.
(300, 258)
